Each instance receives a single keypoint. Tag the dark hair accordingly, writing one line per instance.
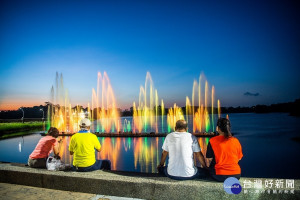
(224, 125)
(53, 132)
(181, 124)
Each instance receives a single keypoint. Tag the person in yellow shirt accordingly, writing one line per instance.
(82, 147)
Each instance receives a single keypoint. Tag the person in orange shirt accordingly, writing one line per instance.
(224, 152)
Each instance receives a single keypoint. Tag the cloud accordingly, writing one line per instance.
(251, 94)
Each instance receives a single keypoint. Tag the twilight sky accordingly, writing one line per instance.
(249, 50)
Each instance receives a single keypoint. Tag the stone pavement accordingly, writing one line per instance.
(18, 192)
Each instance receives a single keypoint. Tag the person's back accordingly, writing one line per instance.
(46, 144)
(224, 152)
(43, 148)
(227, 153)
(181, 146)
(83, 144)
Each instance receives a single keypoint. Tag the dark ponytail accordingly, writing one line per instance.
(224, 125)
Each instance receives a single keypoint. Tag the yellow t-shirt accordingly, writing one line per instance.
(83, 145)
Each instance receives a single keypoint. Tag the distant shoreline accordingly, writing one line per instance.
(293, 108)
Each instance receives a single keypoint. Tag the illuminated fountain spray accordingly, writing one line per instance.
(201, 105)
(219, 109)
(126, 126)
(148, 115)
(162, 116)
(174, 114)
(60, 112)
(104, 107)
(145, 115)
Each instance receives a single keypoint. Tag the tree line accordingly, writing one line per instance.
(293, 108)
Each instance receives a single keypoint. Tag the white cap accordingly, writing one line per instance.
(85, 122)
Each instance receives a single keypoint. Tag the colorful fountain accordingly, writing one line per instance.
(174, 114)
(203, 102)
(149, 116)
(104, 107)
(145, 114)
(200, 110)
(60, 112)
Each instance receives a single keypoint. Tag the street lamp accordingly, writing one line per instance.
(43, 113)
(23, 115)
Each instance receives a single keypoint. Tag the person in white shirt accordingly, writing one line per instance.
(182, 147)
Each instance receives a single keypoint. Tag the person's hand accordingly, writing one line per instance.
(159, 166)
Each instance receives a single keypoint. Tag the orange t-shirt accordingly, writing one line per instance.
(227, 153)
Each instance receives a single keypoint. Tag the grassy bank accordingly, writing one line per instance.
(17, 134)
(11, 129)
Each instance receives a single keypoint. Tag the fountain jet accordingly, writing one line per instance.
(104, 106)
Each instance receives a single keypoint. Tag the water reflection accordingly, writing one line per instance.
(140, 154)
(259, 134)
(20, 147)
(21, 144)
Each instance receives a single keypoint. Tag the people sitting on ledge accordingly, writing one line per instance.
(39, 156)
(182, 147)
(224, 153)
(82, 147)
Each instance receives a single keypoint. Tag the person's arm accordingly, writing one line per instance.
(209, 161)
(55, 150)
(209, 154)
(197, 152)
(98, 149)
(97, 144)
(163, 158)
(71, 150)
(201, 159)
(56, 147)
(164, 153)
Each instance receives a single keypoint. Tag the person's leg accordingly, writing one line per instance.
(73, 168)
(213, 175)
(238, 176)
(222, 178)
(99, 164)
(105, 165)
(37, 163)
(179, 178)
(203, 173)
(93, 167)
(161, 171)
(30, 162)
(218, 178)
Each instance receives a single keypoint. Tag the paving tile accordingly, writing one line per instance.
(12, 191)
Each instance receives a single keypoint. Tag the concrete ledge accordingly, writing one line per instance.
(135, 185)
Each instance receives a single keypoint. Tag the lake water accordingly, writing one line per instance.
(266, 142)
